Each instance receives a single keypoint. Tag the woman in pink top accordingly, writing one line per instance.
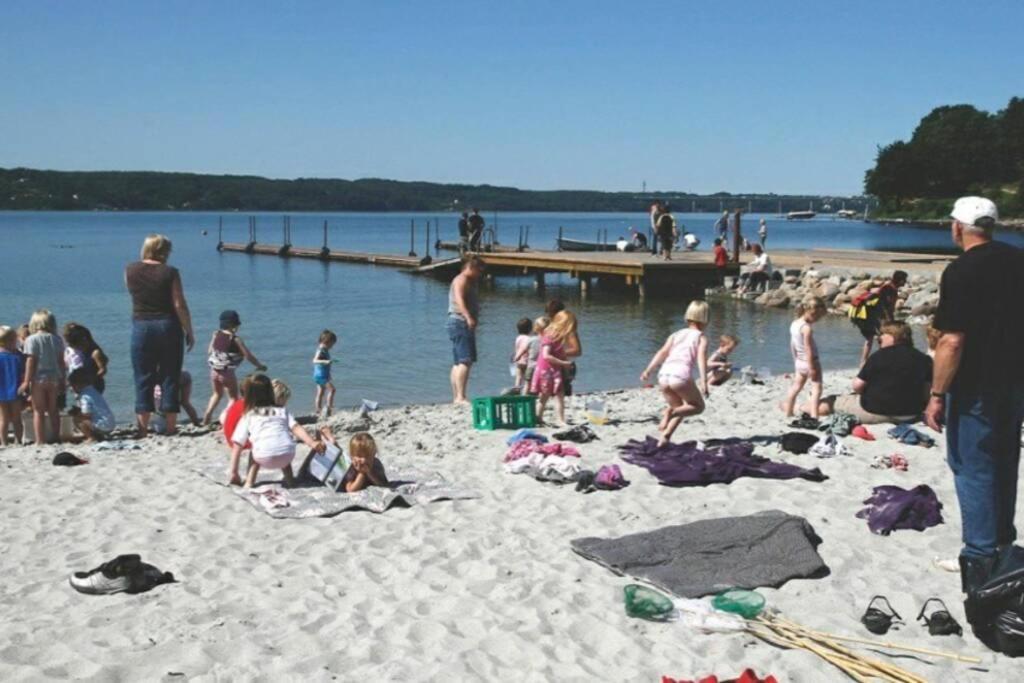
(682, 350)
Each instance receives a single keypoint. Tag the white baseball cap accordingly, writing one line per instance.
(969, 210)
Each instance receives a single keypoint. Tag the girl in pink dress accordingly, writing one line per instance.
(677, 357)
(548, 377)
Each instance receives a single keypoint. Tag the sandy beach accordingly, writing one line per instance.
(484, 589)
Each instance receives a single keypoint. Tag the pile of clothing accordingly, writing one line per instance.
(555, 462)
(694, 464)
(890, 508)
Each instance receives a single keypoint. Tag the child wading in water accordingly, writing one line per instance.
(681, 351)
(806, 363)
(719, 365)
(270, 429)
(548, 378)
(366, 469)
(324, 400)
(227, 351)
(12, 372)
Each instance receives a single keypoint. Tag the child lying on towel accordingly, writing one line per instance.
(365, 470)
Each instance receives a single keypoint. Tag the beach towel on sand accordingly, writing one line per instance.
(688, 464)
(409, 487)
(709, 556)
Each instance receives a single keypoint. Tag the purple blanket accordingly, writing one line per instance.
(685, 464)
(890, 508)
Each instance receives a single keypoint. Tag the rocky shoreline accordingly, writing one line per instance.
(917, 301)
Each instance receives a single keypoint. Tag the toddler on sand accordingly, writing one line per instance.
(44, 373)
(12, 372)
(91, 413)
(806, 362)
(548, 378)
(324, 400)
(366, 469)
(271, 430)
(677, 357)
(521, 351)
(226, 353)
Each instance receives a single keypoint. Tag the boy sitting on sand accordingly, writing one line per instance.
(91, 413)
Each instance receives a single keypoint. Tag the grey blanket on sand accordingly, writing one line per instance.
(712, 555)
(408, 487)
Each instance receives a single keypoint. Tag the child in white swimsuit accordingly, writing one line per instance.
(806, 364)
(677, 357)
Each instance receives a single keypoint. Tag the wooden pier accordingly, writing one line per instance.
(392, 260)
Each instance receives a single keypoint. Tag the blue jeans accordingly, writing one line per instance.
(983, 449)
(463, 341)
(158, 349)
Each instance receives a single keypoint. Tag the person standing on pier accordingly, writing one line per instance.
(722, 227)
(762, 232)
(464, 232)
(656, 209)
(476, 230)
(665, 231)
(463, 317)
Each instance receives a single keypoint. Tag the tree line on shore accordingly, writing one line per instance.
(955, 150)
(30, 189)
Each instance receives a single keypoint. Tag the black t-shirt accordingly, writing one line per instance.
(476, 223)
(897, 381)
(378, 471)
(981, 295)
(463, 227)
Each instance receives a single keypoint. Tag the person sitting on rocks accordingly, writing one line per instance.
(892, 386)
(760, 271)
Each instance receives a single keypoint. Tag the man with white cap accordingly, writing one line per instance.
(978, 387)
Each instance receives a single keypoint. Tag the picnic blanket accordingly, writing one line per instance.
(408, 486)
(712, 555)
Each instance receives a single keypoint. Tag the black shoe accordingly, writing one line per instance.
(974, 572)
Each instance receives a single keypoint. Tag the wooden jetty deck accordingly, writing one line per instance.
(393, 260)
(687, 272)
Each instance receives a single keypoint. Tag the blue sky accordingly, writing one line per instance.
(703, 96)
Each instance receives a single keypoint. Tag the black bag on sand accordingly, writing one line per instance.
(995, 609)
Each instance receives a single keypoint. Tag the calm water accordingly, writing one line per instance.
(393, 347)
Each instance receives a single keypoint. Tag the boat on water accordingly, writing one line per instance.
(846, 213)
(565, 244)
(800, 215)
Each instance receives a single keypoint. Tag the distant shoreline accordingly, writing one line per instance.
(1014, 224)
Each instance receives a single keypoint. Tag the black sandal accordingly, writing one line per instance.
(877, 621)
(941, 622)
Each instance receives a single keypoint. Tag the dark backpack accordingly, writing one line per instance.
(798, 442)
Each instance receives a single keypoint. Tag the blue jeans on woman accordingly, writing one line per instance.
(158, 349)
(983, 450)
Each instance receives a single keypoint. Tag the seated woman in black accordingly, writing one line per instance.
(892, 386)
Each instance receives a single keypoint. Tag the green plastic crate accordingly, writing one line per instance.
(504, 412)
